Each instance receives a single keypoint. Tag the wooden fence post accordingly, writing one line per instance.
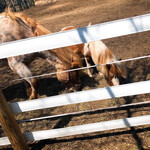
(10, 126)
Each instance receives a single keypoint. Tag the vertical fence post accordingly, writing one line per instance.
(10, 126)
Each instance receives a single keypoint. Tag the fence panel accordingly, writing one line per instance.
(72, 37)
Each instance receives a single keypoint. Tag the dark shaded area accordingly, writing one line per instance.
(3, 5)
(16, 5)
(137, 70)
(63, 122)
(15, 91)
(46, 88)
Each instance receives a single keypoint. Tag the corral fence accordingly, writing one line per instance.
(16, 5)
(72, 37)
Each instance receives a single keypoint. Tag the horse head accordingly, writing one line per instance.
(114, 74)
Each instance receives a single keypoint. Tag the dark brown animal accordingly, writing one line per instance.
(70, 59)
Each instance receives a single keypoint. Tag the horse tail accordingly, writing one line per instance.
(89, 24)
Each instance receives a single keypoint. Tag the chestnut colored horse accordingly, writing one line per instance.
(100, 54)
(69, 59)
(15, 26)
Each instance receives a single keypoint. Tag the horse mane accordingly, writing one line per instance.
(17, 20)
(66, 55)
(37, 28)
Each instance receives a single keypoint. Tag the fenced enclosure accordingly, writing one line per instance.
(86, 34)
(16, 5)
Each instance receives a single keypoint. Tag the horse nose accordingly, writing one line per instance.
(115, 81)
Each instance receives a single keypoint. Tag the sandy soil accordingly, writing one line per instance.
(56, 14)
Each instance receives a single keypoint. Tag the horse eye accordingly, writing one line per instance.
(113, 76)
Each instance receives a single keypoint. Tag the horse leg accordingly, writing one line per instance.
(23, 71)
(32, 88)
(88, 64)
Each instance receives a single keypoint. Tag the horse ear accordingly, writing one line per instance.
(7, 10)
(89, 24)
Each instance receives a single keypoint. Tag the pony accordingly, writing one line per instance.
(100, 54)
(15, 26)
(70, 59)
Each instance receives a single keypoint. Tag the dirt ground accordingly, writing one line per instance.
(56, 14)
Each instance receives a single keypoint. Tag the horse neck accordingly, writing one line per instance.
(41, 30)
(99, 49)
(37, 28)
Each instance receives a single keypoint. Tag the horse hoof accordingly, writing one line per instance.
(33, 97)
(90, 75)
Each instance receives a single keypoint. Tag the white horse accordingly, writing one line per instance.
(100, 54)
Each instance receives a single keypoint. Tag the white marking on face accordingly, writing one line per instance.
(115, 81)
(86, 48)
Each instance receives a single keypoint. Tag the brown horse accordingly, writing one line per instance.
(70, 59)
(100, 54)
(18, 26)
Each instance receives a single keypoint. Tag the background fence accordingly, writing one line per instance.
(72, 37)
(16, 5)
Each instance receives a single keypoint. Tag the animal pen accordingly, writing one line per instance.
(72, 37)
